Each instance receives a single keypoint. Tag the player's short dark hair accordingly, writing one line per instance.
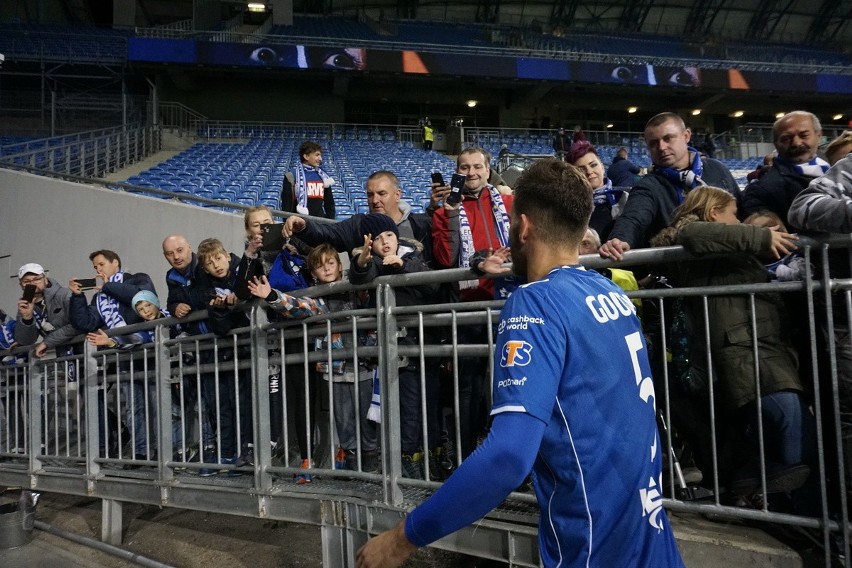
(557, 198)
(107, 254)
(308, 147)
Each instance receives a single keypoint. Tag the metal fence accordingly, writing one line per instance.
(90, 155)
(62, 427)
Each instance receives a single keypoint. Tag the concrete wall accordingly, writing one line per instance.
(58, 223)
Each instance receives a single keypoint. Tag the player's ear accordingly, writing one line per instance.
(525, 228)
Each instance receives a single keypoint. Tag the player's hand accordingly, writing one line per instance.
(387, 550)
(259, 287)
(366, 256)
(392, 260)
(293, 224)
(782, 243)
(614, 249)
(493, 263)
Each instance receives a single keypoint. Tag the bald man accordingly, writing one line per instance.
(181, 276)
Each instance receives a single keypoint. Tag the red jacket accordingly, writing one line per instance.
(446, 244)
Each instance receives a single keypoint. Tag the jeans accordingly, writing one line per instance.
(789, 427)
(140, 417)
(182, 418)
(344, 416)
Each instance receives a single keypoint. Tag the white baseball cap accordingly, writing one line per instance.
(30, 268)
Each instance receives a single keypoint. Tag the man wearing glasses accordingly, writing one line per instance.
(47, 316)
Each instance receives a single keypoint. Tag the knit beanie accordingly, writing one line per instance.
(146, 296)
(377, 223)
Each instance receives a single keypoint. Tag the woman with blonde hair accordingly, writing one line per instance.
(706, 223)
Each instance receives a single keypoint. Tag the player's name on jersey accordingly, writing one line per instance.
(610, 307)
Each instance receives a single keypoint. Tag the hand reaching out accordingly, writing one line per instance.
(366, 256)
(493, 263)
(782, 243)
(293, 224)
(259, 287)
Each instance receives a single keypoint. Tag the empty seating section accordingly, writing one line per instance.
(252, 173)
(68, 43)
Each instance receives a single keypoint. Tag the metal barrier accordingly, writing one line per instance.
(57, 433)
(93, 156)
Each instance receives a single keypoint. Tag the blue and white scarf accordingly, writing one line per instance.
(375, 411)
(606, 194)
(302, 186)
(813, 169)
(467, 249)
(108, 306)
(687, 179)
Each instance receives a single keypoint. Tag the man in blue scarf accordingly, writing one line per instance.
(678, 168)
(796, 136)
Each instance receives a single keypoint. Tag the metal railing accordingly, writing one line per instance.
(88, 155)
(58, 433)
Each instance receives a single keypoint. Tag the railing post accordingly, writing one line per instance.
(90, 396)
(260, 401)
(163, 378)
(389, 379)
(35, 411)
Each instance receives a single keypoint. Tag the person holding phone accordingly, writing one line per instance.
(474, 227)
(44, 318)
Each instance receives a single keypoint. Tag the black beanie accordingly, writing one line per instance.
(377, 223)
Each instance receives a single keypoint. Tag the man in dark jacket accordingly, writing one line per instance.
(796, 136)
(677, 169)
(622, 172)
(112, 308)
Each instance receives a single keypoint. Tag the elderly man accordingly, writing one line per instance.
(796, 136)
(47, 316)
(678, 168)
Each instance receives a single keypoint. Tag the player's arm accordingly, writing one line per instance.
(481, 483)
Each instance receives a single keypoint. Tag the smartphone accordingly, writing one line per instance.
(29, 293)
(456, 188)
(87, 283)
(272, 237)
(437, 178)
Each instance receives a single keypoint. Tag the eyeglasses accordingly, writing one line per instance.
(32, 280)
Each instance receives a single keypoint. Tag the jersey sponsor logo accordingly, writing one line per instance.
(516, 353)
(610, 307)
(511, 383)
(518, 322)
(316, 190)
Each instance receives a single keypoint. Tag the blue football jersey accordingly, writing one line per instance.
(570, 352)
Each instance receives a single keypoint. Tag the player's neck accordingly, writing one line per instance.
(542, 259)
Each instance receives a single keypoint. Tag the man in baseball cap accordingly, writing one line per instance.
(43, 321)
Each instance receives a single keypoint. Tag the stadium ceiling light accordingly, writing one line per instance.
(256, 7)
(610, 125)
(779, 114)
(837, 117)
(696, 112)
(631, 110)
(737, 114)
(472, 103)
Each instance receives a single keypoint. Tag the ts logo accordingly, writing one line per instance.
(516, 353)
